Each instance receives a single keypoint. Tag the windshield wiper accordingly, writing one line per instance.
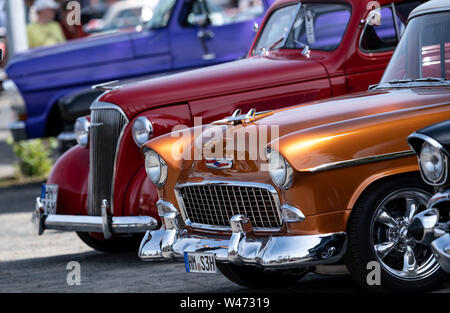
(276, 43)
(399, 81)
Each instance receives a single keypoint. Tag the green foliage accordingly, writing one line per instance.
(34, 156)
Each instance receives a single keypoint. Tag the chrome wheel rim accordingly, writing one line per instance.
(397, 252)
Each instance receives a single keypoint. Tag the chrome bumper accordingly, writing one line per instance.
(18, 130)
(172, 241)
(441, 245)
(441, 250)
(105, 224)
(67, 137)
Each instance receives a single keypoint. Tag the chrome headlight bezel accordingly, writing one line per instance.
(156, 168)
(142, 130)
(429, 153)
(280, 170)
(81, 130)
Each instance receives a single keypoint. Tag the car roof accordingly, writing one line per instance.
(432, 6)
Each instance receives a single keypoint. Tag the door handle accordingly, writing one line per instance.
(205, 34)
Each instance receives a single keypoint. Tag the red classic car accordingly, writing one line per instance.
(304, 51)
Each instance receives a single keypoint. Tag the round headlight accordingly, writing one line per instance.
(156, 168)
(280, 170)
(433, 164)
(81, 130)
(142, 130)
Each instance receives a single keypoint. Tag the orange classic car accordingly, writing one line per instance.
(336, 181)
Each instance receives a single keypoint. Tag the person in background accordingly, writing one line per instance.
(45, 31)
(70, 31)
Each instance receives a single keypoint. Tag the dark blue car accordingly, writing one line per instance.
(46, 83)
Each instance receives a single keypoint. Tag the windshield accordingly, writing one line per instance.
(161, 14)
(423, 53)
(320, 26)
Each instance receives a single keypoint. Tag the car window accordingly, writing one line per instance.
(319, 26)
(423, 52)
(435, 51)
(383, 36)
(161, 14)
(223, 12)
(276, 29)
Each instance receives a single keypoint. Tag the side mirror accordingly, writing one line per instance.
(201, 20)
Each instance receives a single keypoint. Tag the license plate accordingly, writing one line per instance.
(200, 262)
(49, 197)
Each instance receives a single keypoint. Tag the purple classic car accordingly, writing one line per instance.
(49, 84)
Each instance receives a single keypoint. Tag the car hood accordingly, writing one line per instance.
(356, 126)
(233, 77)
(72, 54)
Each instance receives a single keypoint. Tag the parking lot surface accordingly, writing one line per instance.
(31, 263)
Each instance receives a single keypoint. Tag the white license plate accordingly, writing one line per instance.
(200, 262)
(49, 197)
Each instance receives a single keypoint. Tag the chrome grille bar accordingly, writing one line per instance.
(212, 204)
(107, 124)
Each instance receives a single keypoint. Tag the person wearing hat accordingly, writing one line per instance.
(45, 31)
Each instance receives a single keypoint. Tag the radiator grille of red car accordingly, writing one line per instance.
(107, 123)
(215, 204)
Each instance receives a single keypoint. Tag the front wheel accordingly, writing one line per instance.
(378, 240)
(113, 245)
(253, 277)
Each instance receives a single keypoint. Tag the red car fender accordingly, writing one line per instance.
(141, 196)
(130, 172)
(71, 173)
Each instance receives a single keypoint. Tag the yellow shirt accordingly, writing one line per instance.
(44, 34)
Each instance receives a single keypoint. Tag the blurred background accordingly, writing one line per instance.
(18, 19)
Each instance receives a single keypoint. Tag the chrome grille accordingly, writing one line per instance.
(107, 123)
(215, 204)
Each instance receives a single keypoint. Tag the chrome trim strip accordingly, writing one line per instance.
(428, 11)
(442, 181)
(268, 187)
(360, 161)
(99, 105)
(106, 86)
(300, 216)
(428, 139)
(119, 142)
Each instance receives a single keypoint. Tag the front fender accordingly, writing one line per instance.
(71, 173)
(141, 196)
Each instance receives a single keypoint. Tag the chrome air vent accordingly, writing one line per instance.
(212, 204)
(107, 124)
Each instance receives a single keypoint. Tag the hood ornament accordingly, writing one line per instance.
(237, 118)
(112, 85)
